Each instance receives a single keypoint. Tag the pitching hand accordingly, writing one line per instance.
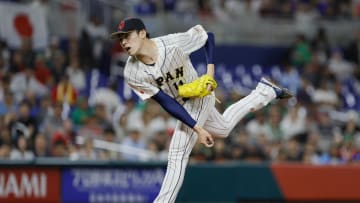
(204, 136)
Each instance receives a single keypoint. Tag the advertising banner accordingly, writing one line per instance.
(29, 185)
(82, 185)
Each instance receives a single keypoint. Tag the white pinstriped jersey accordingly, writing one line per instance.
(172, 68)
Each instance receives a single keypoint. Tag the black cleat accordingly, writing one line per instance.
(281, 92)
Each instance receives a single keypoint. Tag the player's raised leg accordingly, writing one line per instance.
(265, 92)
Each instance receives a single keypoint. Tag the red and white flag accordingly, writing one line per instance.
(17, 21)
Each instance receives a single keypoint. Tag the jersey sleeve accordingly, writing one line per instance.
(140, 83)
(188, 41)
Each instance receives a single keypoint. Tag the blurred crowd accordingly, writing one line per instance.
(46, 109)
(227, 9)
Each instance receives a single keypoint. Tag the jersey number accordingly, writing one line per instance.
(177, 85)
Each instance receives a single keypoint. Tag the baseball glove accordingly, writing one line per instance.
(198, 87)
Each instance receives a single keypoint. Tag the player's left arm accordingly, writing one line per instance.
(209, 53)
(204, 85)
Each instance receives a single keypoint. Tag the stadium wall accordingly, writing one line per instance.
(69, 182)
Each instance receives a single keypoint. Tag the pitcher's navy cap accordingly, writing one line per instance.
(128, 25)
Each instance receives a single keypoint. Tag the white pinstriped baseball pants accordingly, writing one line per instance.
(204, 112)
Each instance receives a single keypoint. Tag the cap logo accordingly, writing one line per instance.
(121, 25)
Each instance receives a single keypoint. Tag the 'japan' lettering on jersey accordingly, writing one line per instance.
(172, 67)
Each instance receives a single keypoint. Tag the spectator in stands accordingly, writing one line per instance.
(347, 150)
(290, 78)
(331, 156)
(343, 10)
(355, 8)
(108, 97)
(186, 9)
(87, 151)
(8, 104)
(5, 136)
(294, 122)
(121, 117)
(352, 52)
(17, 63)
(306, 18)
(325, 127)
(351, 130)
(45, 109)
(310, 155)
(320, 46)
(4, 86)
(220, 153)
(53, 51)
(200, 154)
(5, 56)
(3, 68)
(98, 34)
(325, 9)
(64, 91)
(53, 122)
(57, 66)
(135, 140)
(155, 127)
(110, 137)
(82, 111)
(221, 12)
(101, 116)
(96, 28)
(26, 81)
(91, 128)
(27, 52)
(239, 145)
(293, 150)
(169, 5)
(273, 128)
(5, 151)
(254, 153)
(21, 152)
(237, 151)
(32, 100)
(23, 124)
(256, 126)
(157, 154)
(150, 118)
(205, 11)
(41, 146)
(42, 72)
(268, 8)
(324, 94)
(160, 138)
(69, 132)
(86, 59)
(76, 75)
(59, 148)
(339, 66)
(300, 52)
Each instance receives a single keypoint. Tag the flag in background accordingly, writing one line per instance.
(17, 21)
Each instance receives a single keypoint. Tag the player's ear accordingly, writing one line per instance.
(142, 33)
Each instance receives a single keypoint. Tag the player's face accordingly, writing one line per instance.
(130, 42)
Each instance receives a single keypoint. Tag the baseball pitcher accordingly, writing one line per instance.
(160, 69)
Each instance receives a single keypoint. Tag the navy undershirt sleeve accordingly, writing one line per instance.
(209, 48)
(174, 108)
